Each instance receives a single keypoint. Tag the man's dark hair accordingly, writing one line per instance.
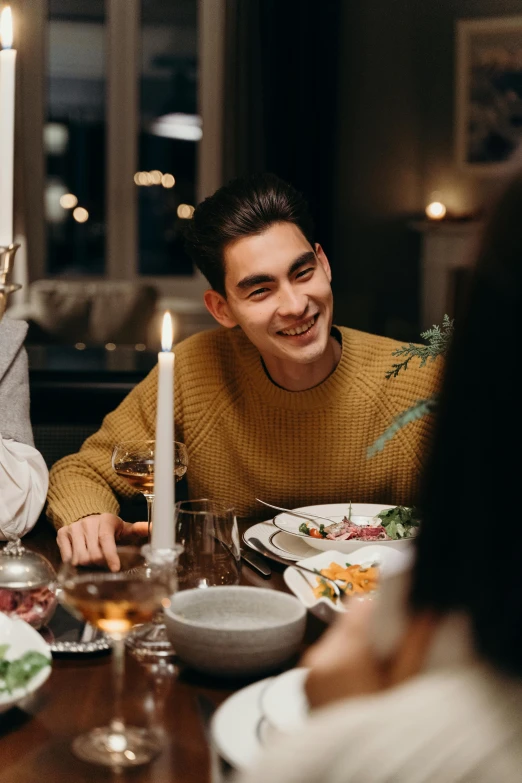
(244, 207)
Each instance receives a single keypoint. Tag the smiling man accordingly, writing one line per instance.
(277, 289)
(277, 403)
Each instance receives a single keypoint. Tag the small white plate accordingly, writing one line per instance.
(391, 561)
(283, 702)
(361, 515)
(281, 544)
(21, 638)
(236, 727)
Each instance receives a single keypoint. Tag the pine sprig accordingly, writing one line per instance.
(417, 411)
(438, 338)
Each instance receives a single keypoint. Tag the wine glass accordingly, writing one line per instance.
(115, 602)
(133, 461)
(207, 530)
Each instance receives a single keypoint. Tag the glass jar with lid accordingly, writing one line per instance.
(26, 584)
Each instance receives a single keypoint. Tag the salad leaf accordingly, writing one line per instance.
(17, 673)
(3, 649)
(399, 522)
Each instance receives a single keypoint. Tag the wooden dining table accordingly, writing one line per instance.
(35, 741)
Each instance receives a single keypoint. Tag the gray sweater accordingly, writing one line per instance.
(15, 421)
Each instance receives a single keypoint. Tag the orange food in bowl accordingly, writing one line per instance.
(352, 579)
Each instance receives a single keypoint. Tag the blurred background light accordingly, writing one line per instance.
(185, 211)
(56, 138)
(187, 127)
(80, 215)
(168, 181)
(435, 210)
(68, 201)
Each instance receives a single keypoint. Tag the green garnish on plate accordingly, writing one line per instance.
(400, 522)
(18, 673)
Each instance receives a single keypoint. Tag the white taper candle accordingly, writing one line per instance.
(163, 533)
(7, 117)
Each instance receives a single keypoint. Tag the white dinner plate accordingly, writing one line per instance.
(390, 561)
(237, 726)
(282, 544)
(361, 515)
(283, 702)
(22, 638)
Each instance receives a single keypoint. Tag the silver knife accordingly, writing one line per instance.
(256, 561)
(253, 560)
(89, 633)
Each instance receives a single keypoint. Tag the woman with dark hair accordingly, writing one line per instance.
(435, 663)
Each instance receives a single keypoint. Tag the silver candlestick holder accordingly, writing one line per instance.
(7, 255)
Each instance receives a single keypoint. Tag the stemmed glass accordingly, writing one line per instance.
(115, 602)
(133, 461)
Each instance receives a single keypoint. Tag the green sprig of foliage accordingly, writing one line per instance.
(438, 339)
(417, 411)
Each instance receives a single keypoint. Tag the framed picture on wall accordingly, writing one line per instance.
(488, 93)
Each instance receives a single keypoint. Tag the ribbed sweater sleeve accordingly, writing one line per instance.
(85, 483)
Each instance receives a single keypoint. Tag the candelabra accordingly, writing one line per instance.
(7, 255)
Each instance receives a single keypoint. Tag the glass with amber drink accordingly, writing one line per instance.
(115, 602)
(133, 461)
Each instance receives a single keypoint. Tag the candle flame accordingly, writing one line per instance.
(167, 336)
(6, 28)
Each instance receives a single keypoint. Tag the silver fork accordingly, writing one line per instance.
(309, 517)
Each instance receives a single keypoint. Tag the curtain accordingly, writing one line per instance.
(281, 96)
(243, 133)
(30, 28)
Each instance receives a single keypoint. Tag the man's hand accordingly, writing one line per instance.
(93, 539)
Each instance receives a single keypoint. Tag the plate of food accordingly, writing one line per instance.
(280, 544)
(358, 575)
(347, 526)
(25, 661)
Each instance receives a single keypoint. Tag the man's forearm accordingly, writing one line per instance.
(73, 494)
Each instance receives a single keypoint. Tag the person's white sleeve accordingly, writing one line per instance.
(24, 479)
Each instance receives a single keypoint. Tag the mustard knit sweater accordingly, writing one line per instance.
(248, 438)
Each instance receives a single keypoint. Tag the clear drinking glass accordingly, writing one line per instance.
(133, 461)
(207, 530)
(115, 602)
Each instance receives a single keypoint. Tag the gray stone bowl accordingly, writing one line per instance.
(235, 631)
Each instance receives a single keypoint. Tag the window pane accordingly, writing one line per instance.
(169, 133)
(74, 137)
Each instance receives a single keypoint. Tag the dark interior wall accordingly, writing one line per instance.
(395, 147)
(435, 67)
(379, 167)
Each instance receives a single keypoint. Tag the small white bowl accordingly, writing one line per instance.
(390, 561)
(235, 631)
